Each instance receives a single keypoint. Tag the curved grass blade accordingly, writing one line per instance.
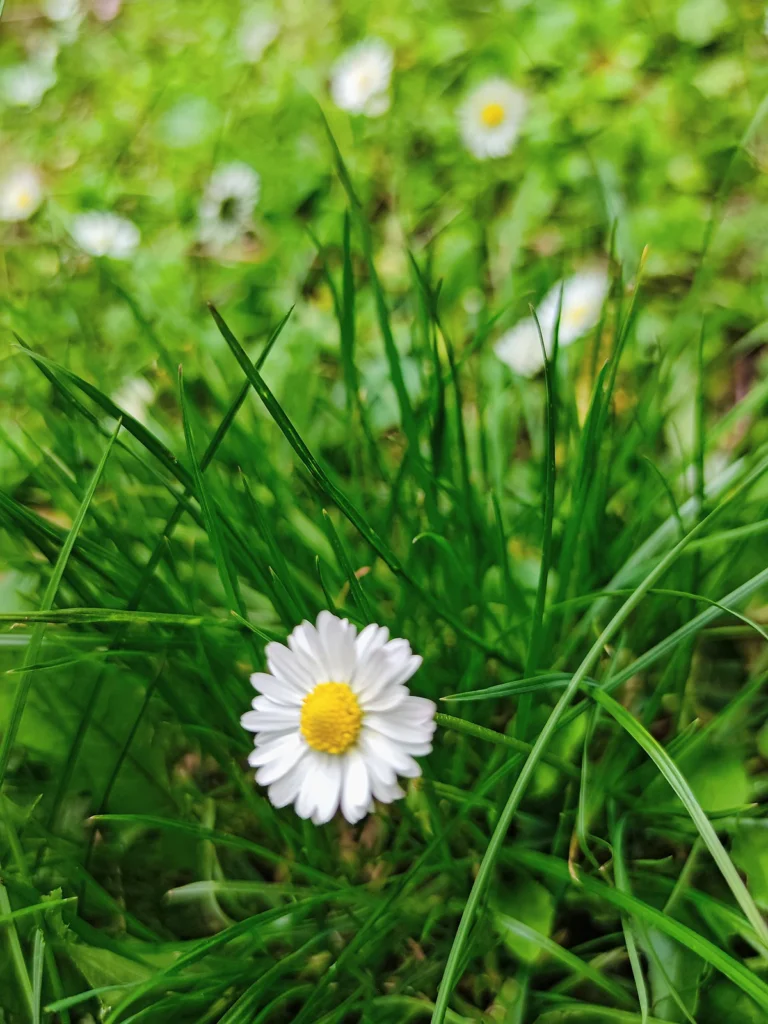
(355, 587)
(740, 975)
(450, 974)
(32, 652)
(622, 883)
(213, 527)
(327, 487)
(565, 956)
(479, 732)
(679, 784)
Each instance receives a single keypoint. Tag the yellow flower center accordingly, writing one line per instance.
(24, 199)
(331, 718)
(575, 314)
(492, 115)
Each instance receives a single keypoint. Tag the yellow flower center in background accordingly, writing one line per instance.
(492, 115)
(24, 199)
(575, 314)
(331, 718)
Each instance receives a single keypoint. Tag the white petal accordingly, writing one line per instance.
(328, 792)
(404, 671)
(307, 649)
(264, 721)
(398, 646)
(387, 698)
(375, 763)
(281, 765)
(389, 751)
(337, 637)
(417, 749)
(267, 750)
(283, 664)
(311, 786)
(385, 793)
(417, 709)
(281, 690)
(355, 791)
(399, 731)
(370, 639)
(286, 789)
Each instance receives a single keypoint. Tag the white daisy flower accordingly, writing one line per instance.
(490, 118)
(227, 206)
(21, 193)
(583, 297)
(24, 85)
(255, 35)
(360, 78)
(335, 725)
(105, 234)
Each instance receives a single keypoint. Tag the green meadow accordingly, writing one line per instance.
(447, 318)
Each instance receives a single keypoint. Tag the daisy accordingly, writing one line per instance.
(228, 203)
(335, 725)
(490, 118)
(24, 85)
(360, 78)
(255, 35)
(106, 10)
(105, 234)
(21, 193)
(520, 349)
(583, 297)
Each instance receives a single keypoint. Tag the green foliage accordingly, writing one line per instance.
(579, 557)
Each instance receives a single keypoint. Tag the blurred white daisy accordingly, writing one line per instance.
(490, 118)
(61, 10)
(105, 234)
(255, 34)
(21, 193)
(583, 297)
(335, 725)
(24, 85)
(520, 348)
(67, 15)
(360, 78)
(106, 10)
(135, 396)
(228, 203)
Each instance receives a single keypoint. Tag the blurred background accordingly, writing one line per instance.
(156, 155)
(200, 124)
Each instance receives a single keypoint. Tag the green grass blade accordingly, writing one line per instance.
(739, 974)
(32, 652)
(355, 587)
(450, 974)
(38, 951)
(622, 884)
(679, 784)
(569, 960)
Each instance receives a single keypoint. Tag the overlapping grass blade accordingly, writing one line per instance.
(499, 834)
(33, 650)
(679, 784)
(737, 972)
